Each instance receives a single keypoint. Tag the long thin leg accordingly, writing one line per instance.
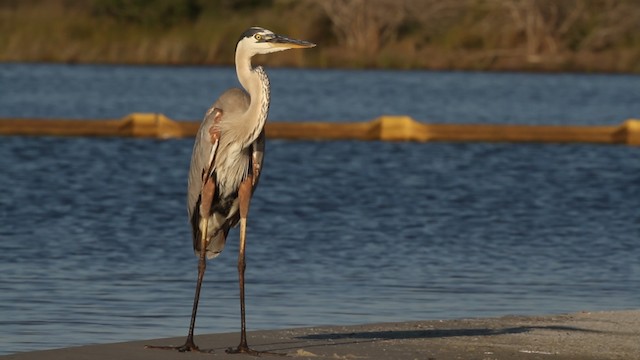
(244, 195)
(189, 344)
(243, 347)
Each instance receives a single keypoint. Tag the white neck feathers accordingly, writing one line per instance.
(256, 83)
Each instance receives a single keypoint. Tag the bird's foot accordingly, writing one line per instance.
(188, 346)
(244, 349)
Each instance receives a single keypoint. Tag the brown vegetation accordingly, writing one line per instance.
(550, 35)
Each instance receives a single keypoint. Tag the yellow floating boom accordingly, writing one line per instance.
(385, 128)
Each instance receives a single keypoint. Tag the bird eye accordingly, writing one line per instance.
(258, 37)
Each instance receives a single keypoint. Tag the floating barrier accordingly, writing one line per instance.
(384, 128)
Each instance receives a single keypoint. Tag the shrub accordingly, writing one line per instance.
(151, 13)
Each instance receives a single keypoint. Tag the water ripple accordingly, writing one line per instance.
(95, 247)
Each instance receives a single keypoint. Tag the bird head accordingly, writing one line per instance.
(257, 40)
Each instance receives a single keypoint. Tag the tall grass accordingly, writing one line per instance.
(549, 35)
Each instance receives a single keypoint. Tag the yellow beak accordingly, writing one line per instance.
(285, 42)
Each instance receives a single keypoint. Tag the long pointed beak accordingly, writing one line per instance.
(287, 43)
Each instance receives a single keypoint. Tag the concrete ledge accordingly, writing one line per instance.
(384, 128)
(597, 335)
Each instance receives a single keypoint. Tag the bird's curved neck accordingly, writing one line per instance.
(256, 83)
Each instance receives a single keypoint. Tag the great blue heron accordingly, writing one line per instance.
(226, 163)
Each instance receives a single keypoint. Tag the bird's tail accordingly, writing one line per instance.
(218, 229)
(215, 245)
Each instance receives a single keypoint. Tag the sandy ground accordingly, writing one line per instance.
(584, 336)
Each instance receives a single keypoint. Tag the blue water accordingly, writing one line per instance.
(70, 91)
(95, 246)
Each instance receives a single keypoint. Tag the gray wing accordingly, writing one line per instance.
(231, 103)
(202, 185)
(202, 158)
(201, 168)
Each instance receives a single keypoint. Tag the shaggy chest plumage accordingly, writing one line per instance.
(233, 157)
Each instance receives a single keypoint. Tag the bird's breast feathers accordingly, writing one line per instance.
(231, 166)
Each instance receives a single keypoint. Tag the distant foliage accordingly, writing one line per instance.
(549, 35)
(238, 5)
(148, 12)
(365, 26)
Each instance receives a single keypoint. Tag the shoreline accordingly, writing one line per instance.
(454, 69)
(583, 335)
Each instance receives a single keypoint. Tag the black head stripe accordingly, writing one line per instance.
(250, 32)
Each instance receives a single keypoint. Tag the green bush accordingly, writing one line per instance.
(149, 13)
